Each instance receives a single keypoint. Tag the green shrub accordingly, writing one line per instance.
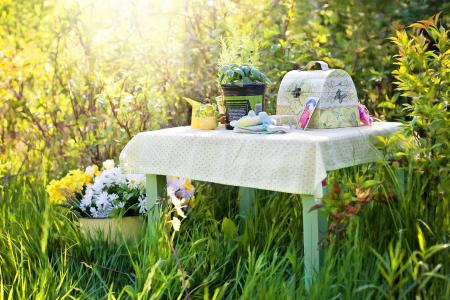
(423, 76)
(409, 195)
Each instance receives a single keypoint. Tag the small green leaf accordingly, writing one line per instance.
(221, 77)
(245, 69)
(238, 83)
(229, 229)
(229, 73)
(421, 239)
(370, 183)
(224, 68)
(255, 72)
(246, 80)
(239, 71)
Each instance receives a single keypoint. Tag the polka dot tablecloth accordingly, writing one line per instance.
(295, 162)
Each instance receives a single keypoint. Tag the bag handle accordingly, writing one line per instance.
(323, 65)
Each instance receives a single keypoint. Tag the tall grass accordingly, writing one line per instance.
(396, 249)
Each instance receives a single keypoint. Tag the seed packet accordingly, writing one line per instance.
(236, 109)
(308, 110)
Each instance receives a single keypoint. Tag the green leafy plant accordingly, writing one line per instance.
(407, 276)
(240, 75)
(423, 76)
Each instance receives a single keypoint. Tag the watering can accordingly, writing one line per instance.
(204, 116)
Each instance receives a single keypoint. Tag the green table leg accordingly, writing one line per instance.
(246, 201)
(155, 186)
(314, 233)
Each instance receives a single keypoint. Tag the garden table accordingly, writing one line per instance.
(296, 162)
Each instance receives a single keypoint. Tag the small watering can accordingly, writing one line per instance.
(204, 116)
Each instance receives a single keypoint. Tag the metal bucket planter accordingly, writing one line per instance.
(112, 229)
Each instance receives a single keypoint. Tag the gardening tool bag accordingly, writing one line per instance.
(338, 101)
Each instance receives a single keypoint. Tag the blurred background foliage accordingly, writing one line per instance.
(79, 78)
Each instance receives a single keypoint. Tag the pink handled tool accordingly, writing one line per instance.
(364, 115)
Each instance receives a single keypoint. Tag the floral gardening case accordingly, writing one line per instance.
(338, 105)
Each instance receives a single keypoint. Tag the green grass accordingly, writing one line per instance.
(391, 250)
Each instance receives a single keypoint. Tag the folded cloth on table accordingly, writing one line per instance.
(263, 128)
(288, 120)
(257, 124)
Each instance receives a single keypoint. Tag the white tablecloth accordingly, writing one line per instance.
(295, 162)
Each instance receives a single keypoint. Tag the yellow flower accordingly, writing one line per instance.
(188, 186)
(61, 190)
(76, 180)
(58, 192)
(192, 203)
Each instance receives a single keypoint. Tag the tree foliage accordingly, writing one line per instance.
(78, 79)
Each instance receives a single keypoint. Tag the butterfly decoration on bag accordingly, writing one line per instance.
(340, 95)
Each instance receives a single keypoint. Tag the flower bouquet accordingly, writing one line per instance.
(110, 202)
(105, 201)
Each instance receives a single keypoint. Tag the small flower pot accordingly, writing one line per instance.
(239, 100)
(208, 123)
(112, 229)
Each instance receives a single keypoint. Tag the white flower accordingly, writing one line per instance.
(142, 205)
(108, 164)
(93, 211)
(135, 180)
(176, 223)
(101, 214)
(89, 171)
(108, 178)
(98, 202)
(102, 199)
(87, 198)
(177, 204)
(182, 188)
(113, 197)
(98, 185)
(104, 206)
(113, 176)
(119, 205)
(171, 190)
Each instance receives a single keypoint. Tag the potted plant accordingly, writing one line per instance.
(106, 202)
(109, 203)
(243, 87)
